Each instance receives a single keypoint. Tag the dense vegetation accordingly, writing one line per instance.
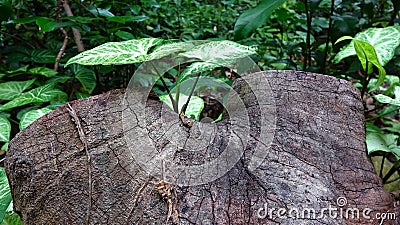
(37, 38)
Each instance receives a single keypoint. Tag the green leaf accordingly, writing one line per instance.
(125, 19)
(223, 53)
(4, 148)
(196, 67)
(46, 24)
(5, 194)
(251, 19)
(395, 127)
(11, 218)
(12, 89)
(80, 95)
(24, 20)
(80, 19)
(39, 56)
(367, 56)
(124, 35)
(44, 93)
(101, 12)
(43, 71)
(383, 142)
(384, 40)
(193, 110)
(125, 52)
(386, 99)
(87, 77)
(5, 129)
(170, 48)
(31, 116)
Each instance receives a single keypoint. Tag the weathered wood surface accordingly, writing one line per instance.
(317, 157)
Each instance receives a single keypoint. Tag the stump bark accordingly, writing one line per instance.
(74, 165)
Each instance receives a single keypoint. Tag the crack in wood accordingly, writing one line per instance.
(82, 138)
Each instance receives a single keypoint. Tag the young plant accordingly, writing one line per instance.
(375, 47)
(204, 56)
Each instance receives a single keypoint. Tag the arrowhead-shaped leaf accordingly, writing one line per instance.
(251, 19)
(12, 89)
(384, 40)
(117, 53)
(31, 116)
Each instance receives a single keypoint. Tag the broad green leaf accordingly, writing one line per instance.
(80, 95)
(40, 56)
(12, 89)
(24, 20)
(43, 71)
(386, 99)
(170, 48)
(125, 52)
(395, 127)
(44, 93)
(383, 142)
(4, 148)
(46, 24)
(101, 12)
(251, 19)
(196, 67)
(367, 56)
(223, 53)
(31, 116)
(5, 193)
(194, 108)
(87, 77)
(81, 19)
(19, 70)
(5, 129)
(124, 35)
(125, 19)
(11, 218)
(384, 40)
(214, 54)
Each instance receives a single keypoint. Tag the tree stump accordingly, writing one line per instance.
(74, 165)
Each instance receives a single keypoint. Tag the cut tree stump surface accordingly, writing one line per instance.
(74, 165)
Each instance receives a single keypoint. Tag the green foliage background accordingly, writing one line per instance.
(297, 35)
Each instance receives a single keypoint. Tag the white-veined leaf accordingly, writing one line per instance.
(31, 116)
(170, 48)
(5, 129)
(194, 68)
(12, 89)
(223, 53)
(5, 194)
(87, 77)
(384, 40)
(193, 110)
(386, 99)
(125, 52)
(43, 71)
(44, 93)
(383, 142)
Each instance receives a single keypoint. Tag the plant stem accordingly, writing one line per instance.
(383, 161)
(190, 95)
(307, 55)
(392, 170)
(328, 36)
(174, 103)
